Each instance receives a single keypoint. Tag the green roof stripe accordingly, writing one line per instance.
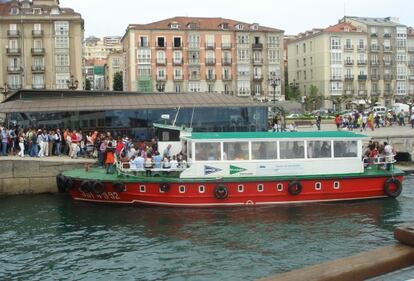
(276, 135)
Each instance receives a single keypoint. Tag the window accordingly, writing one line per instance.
(161, 73)
(160, 57)
(336, 58)
(304, 47)
(260, 188)
(61, 28)
(279, 187)
(177, 42)
(61, 79)
(178, 73)
(181, 189)
(292, 149)
(201, 189)
(62, 42)
(177, 57)
(345, 149)
(242, 39)
(236, 150)
(207, 151)
(62, 60)
(144, 56)
(161, 42)
(335, 43)
(37, 43)
(193, 41)
(177, 88)
(14, 81)
(37, 27)
(336, 185)
(143, 41)
(38, 81)
(319, 149)
(240, 188)
(142, 188)
(318, 186)
(194, 87)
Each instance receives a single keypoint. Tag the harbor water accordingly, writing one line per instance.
(50, 237)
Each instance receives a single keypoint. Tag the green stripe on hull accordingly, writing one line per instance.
(96, 174)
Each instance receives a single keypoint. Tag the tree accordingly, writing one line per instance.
(87, 84)
(313, 100)
(339, 101)
(118, 83)
(292, 91)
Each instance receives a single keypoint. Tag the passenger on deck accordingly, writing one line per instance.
(167, 152)
(110, 158)
(139, 162)
(174, 163)
(166, 163)
(148, 164)
(157, 160)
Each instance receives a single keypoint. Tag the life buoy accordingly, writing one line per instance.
(221, 192)
(98, 187)
(85, 187)
(60, 180)
(295, 187)
(398, 187)
(119, 187)
(164, 187)
(67, 184)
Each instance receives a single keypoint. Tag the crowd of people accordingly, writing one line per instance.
(362, 121)
(74, 144)
(377, 153)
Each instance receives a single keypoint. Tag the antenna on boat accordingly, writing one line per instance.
(176, 116)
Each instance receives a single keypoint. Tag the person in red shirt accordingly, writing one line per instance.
(74, 143)
(110, 159)
(338, 121)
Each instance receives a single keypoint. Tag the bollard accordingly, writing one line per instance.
(86, 166)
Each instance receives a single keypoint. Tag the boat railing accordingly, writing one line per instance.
(379, 160)
(126, 169)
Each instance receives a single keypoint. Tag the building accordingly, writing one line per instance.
(43, 45)
(361, 61)
(410, 59)
(114, 64)
(186, 54)
(95, 48)
(133, 113)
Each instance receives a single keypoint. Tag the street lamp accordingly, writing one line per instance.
(4, 90)
(160, 87)
(72, 83)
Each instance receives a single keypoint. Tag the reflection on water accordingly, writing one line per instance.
(49, 237)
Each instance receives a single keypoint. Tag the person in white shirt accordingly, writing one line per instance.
(412, 120)
(139, 162)
(166, 163)
(389, 155)
(174, 163)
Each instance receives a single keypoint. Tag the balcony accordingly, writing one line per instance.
(362, 77)
(15, 86)
(178, 61)
(375, 77)
(194, 77)
(362, 62)
(375, 62)
(13, 33)
(349, 93)
(210, 61)
(374, 34)
(387, 49)
(349, 77)
(161, 61)
(257, 77)
(375, 93)
(226, 77)
(14, 51)
(411, 49)
(211, 77)
(348, 47)
(177, 46)
(336, 78)
(388, 62)
(162, 78)
(387, 35)
(193, 61)
(38, 86)
(361, 47)
(210, 46)
(194, 45)
(38, 68)
(226, 46)
(178, 78)
(348, 62)
(375, 48)
(388, 77)
(257, 61)
(362, 93)
(14, 69)
(37, 33)
(38, 51)
(257, 46)
(160, 46)
(225, 61)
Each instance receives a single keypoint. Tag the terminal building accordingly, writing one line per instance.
(133, 113)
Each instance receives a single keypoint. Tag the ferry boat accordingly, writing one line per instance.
(246, 169)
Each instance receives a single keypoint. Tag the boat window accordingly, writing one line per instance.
(345, 149)
(279, 187)
(336, 185)
(207, 151)
(292, 149)
(264, 150)
(318, 186)
(201, 189)
(240, 188)
(182, 189)
(142, 188)
(319, 149)
(260, 187)
(236, 150)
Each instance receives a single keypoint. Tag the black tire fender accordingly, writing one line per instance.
(388, 183)
(295, 188)
(98, 187)
(221, 191)
(67, 184)
(85, 186)
(60, 180)
(164, 187)
(119, 187)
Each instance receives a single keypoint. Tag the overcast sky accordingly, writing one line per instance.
(112, 17)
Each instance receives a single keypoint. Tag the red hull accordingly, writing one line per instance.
(189, 194)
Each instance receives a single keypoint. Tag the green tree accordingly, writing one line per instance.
(87, 84)
(313, 100)
(292, 91)
(118, 83)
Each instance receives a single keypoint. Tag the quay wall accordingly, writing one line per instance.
(33, 176)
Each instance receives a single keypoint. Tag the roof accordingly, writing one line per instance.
(6, 6)
(388, 21)
(200, 24)
(57, 101)
(278, 135)
(342, 27)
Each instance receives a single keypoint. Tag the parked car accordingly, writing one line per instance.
(293, 115)
(397, 107)
(379, 110)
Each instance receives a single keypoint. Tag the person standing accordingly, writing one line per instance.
(74, 144)
(371, 121)
(338, 121)
(412, 120)
(318, 120)
(21, 145)
(401, 121)
(58, 142)
(3, 136)
(110, 158)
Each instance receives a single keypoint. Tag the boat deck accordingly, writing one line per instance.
(101, 175)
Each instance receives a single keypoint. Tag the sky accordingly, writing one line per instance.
(111, 17)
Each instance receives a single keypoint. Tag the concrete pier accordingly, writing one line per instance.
(34, 175)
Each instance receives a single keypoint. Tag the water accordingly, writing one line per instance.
(49, 237)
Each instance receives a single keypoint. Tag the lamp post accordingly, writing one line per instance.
(4, 90)
(72, 83)
(274, 82)
(160, 87)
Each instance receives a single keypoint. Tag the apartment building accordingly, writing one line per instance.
(363, 59)
(114, 64)
(95, 48)
(43, 45)
(185, 54)
(410, 59)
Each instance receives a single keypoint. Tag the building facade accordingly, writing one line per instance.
(358, 60)
(43, 45)
(95, 48)
(184, 54)
(114, 64)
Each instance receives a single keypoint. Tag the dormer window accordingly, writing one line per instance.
(26, 5)
(174, 25)
(239, 26)
(55, 11)
(14, 11)
(192, 25)
(37, 11)
(346, 28)
(224, 25)
(254, 26)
